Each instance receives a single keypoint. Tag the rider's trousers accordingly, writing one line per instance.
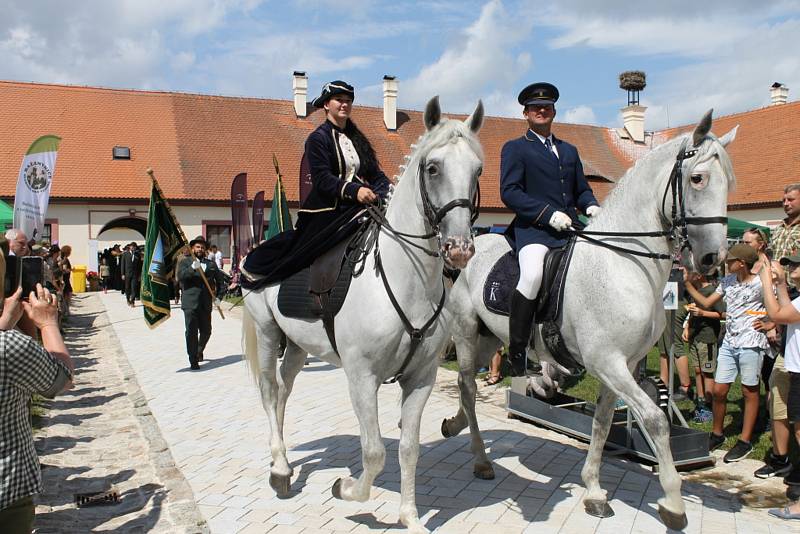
(531, 267)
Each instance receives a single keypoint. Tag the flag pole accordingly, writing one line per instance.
(185, 241)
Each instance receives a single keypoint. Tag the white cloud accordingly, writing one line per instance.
(579, 115)
(729, 52)
(474, 64)
(121, 44)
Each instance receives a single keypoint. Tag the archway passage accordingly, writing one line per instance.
(134, 223)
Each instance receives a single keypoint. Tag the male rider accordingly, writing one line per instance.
(542, 182)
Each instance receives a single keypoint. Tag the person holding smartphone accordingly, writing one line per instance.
(26, 368)
(783, 310)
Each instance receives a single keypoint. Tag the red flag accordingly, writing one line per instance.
(305, 179)
(242, 238)
(258, 217)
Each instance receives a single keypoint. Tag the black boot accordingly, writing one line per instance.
(520, 324)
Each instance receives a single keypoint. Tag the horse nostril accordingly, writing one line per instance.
(708, 259)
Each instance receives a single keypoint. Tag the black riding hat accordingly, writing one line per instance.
(336, 87)
(198, 239)
(541, 93)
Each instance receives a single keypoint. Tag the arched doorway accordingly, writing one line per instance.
(120, 231)
(136, 224)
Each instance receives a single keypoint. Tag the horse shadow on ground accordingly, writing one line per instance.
(320, 365)
(61, 482)
(549, 473)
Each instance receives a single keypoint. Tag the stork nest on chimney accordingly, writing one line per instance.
(632, 80)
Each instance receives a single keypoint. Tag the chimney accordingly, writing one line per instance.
(778, 94)
(300, 90)
(633, 81)
(390, 102)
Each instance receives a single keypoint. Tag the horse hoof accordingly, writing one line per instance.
(598, 508)
(445, 432)
(673, 520)
(484, 472)
(336, 490)
(280, 483)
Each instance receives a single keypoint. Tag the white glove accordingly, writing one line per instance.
(560, 221)
(592, 211)
(196, 264)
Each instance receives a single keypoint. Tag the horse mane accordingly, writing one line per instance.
(656, 165)
(440, 135)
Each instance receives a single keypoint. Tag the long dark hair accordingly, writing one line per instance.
(369, 166)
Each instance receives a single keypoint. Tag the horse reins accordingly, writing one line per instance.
(368, 238)
(679, 222)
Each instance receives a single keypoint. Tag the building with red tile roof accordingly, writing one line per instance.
(196, 144)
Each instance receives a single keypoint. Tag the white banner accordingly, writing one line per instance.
(33, 186)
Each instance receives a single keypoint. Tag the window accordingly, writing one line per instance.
(220, 235)
(47, 233)
(121, 152)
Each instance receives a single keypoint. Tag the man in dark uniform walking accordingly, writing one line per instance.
(130, 269)
(542, 182)
(196, 301)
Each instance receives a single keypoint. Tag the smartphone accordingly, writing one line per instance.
(12, 278)
(32, 274)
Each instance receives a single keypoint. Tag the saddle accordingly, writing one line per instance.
(318, 292)
(503, 279)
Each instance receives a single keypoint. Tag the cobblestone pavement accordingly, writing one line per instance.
(216, 431)
(100, 435)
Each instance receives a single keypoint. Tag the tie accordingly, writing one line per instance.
(549, 146)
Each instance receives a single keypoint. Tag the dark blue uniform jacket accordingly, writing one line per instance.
(534, 184)
(331, 191)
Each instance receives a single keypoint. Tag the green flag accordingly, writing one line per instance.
(164, 241)
(280, 219)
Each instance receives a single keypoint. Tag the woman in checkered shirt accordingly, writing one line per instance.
(25, 368)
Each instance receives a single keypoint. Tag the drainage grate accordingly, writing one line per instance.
(100, 498)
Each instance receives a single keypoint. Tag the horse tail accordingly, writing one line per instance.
(250, 345)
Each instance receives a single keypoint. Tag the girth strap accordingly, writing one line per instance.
(416, 333)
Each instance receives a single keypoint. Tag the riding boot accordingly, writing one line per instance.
(520, 324)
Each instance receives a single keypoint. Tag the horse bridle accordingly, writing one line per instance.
(433, 217)
(678, 221)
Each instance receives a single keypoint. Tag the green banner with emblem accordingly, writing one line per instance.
(164, 242)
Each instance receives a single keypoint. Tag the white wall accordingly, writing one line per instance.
(766, 216)
(78, 223)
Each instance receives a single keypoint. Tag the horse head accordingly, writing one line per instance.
(450, 163)
(706, 179)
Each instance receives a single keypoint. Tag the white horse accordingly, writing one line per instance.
(613, 311)
(433, 202)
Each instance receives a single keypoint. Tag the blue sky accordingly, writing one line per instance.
(720, 54)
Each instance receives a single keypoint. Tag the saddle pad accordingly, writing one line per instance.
(500, 284)
(295, 299)
(504, 276)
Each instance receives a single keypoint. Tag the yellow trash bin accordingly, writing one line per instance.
(79, 278)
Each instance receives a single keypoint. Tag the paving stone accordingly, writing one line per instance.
(212, 424)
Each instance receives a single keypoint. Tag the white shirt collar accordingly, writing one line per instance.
(542, 138)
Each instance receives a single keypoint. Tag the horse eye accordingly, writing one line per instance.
(432, 169)
(480, 171)
(697, 178)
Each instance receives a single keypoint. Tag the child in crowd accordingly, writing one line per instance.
(783, 310)
(701, 332)
(743, 348)
(105, 275)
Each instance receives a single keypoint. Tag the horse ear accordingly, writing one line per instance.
(433, 113)
(475, 121)
(703, 127)
(729, 137)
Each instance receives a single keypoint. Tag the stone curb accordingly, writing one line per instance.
(183, 508)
